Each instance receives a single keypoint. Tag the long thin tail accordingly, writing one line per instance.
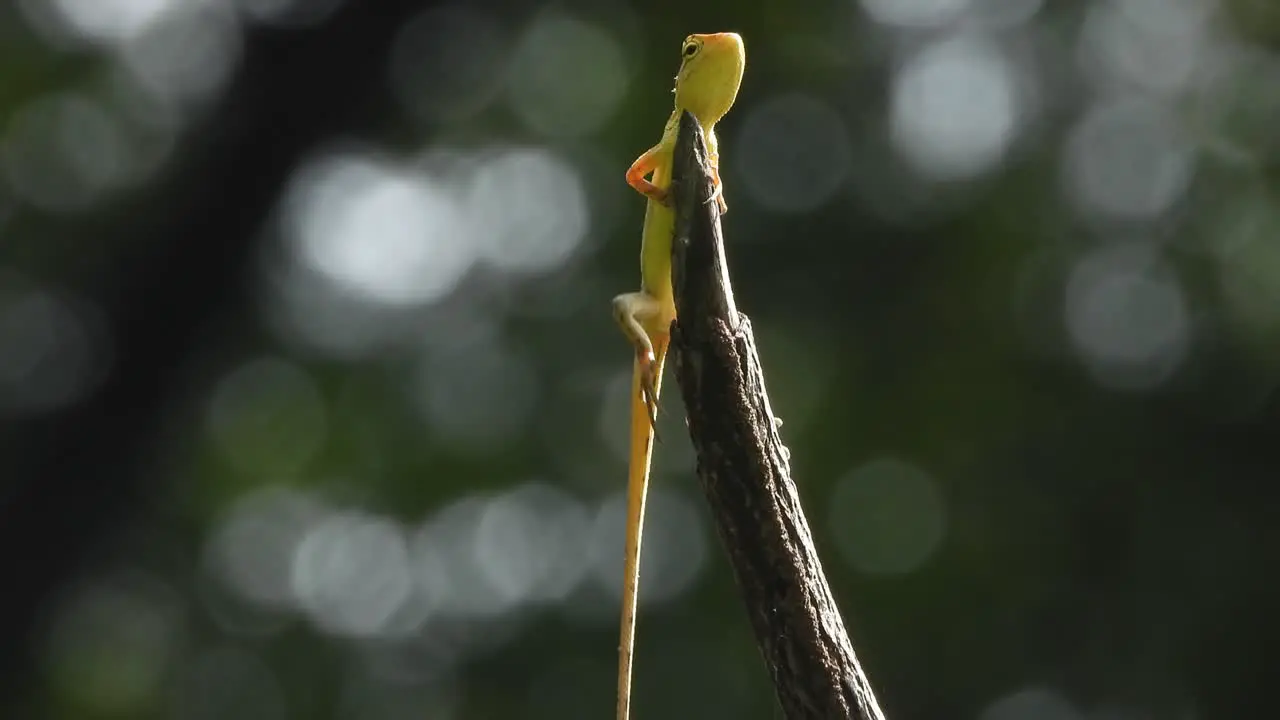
(637, 488)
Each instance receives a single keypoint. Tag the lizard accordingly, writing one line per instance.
(706, 85)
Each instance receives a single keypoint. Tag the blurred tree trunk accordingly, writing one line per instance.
(74, 480)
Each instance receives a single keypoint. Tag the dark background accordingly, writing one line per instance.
(312, 406)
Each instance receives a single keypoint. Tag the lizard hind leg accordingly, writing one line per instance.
(636, 312)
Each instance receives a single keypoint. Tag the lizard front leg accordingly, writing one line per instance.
(717, 190)
(641, 168)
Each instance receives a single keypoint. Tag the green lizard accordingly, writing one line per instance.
(706, 85)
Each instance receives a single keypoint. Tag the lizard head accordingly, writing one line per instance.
(710, 72)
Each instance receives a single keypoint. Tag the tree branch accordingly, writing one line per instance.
(744, 468)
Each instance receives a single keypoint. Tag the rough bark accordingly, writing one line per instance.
(744, 470)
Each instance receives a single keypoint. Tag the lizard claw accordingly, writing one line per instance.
(717, 196)
(649, 386)
(660, 196)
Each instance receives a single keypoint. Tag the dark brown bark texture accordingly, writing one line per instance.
(744, 469)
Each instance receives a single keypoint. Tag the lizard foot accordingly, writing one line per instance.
(649, 385)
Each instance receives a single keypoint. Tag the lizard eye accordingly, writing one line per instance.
(690, 49)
